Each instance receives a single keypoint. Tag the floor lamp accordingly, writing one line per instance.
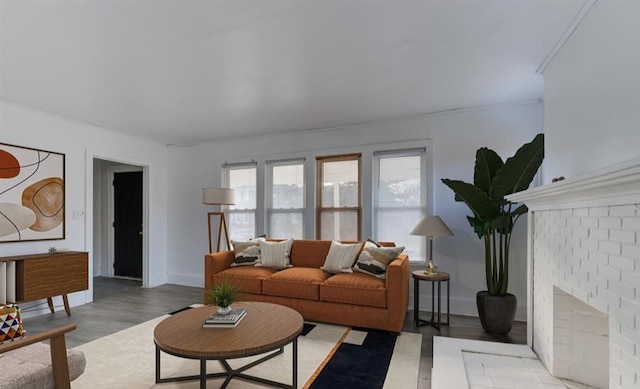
(218, 196)
(431, 226)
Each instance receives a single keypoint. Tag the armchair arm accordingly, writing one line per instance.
(398, 291)
(214, 263)
(58, 349)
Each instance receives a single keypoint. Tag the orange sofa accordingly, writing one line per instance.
(352, 299)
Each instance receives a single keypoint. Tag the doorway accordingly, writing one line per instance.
(134, 248)
(127, 225)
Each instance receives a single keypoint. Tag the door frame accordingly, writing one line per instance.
(111, 170)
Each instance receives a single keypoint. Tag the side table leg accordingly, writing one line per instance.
(439, 300)
(433, 301)
(448, 300)
(416, 301)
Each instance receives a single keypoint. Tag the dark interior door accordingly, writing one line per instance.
(127, 224)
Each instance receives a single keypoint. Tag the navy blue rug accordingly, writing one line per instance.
(356, 366)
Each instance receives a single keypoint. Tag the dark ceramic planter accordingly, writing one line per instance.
(496, 312)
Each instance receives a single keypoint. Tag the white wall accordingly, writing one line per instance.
(80, 143)
(591, 97)
(455, 137)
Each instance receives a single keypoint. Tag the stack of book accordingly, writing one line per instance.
(227, 320)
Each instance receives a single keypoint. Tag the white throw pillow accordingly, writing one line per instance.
(275, 254)
(341, 257)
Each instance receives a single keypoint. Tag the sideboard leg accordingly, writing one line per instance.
(66, 304)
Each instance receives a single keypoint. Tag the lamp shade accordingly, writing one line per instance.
(431, 226)
(218, 196)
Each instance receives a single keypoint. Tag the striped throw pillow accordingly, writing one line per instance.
(275, 254)
(341, 257)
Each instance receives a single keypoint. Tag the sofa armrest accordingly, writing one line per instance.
(58, 349)
(398, 291)
(214, 263)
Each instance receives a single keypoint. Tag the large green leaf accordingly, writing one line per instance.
(519, 170)
(479, 227)
(500, 222)
(487, 164)
(479, 202)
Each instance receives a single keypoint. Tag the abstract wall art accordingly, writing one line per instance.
(31, 194)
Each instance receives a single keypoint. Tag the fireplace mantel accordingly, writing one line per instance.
(615, 185)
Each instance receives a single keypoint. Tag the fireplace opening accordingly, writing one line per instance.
(580, 341)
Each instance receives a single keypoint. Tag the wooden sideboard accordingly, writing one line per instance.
(43, 276)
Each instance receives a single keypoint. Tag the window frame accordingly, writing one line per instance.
(320, 160)
(232, 209)
(269, 209)
(424, 175)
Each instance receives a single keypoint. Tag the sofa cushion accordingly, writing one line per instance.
(296, 282)
(375, 260)
(275, 254)
(247, 252)
(341, 257)
(309, 253)
(354, 288)
(248, 278)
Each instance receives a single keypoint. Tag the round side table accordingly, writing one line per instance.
(420, 275)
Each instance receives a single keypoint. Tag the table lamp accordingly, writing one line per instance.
(431, 226)
(218, 196)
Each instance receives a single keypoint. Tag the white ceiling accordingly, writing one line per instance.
(182, 71)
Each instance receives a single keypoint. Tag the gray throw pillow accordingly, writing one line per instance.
(247, 253)
(375, 260)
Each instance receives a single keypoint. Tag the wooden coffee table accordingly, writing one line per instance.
(266, 327)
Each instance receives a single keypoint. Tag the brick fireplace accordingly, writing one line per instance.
(584, 276)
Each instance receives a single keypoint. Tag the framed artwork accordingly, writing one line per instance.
(31, 194)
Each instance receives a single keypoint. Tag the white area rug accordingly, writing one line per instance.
(126, 359)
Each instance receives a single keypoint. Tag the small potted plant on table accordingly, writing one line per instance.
(223, 295)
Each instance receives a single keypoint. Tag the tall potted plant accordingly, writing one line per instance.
(493, 220)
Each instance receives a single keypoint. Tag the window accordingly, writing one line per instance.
(400, 199)
(242, 215)
(338, 208)
(285, 199)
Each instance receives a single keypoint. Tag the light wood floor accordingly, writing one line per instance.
(119, 304)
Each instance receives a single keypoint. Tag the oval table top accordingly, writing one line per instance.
(265, 327)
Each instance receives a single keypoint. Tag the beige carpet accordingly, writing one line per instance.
(126, 359)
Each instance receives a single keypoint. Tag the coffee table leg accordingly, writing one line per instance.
(295, 362)
(157, 365)
(203, 374)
